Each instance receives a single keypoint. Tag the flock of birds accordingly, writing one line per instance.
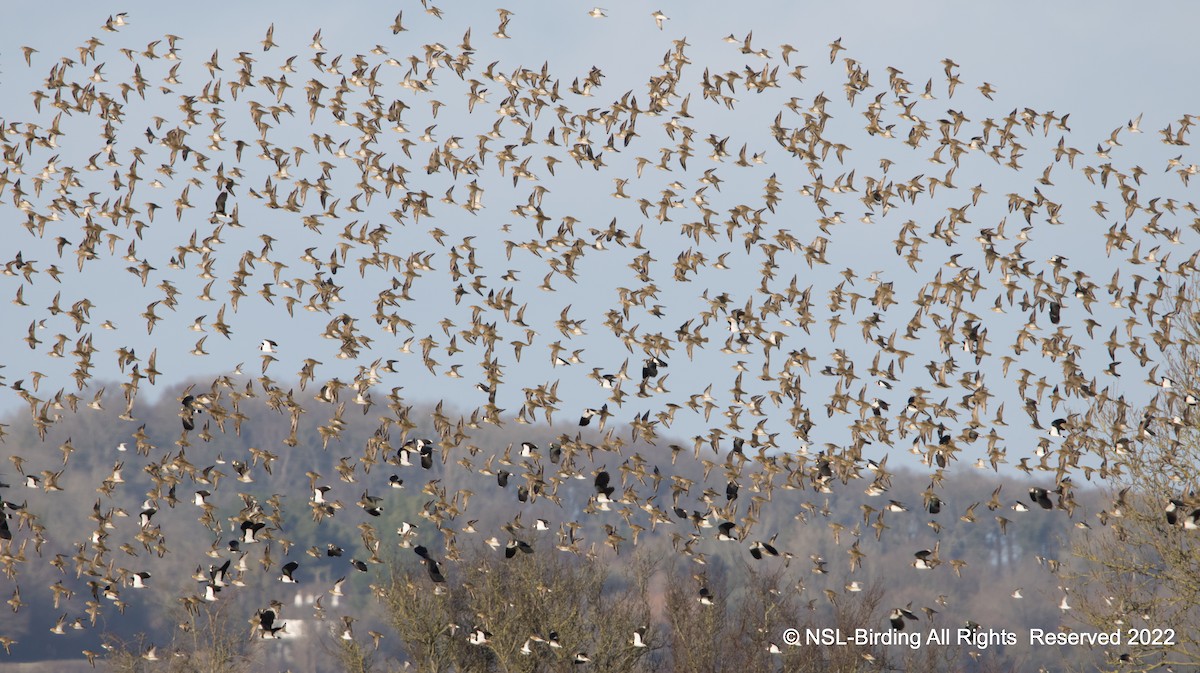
(221, 155)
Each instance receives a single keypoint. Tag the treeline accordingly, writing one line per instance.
(709, 556)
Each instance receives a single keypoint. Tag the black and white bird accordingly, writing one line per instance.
(266, 621)
(289, 570)
(431, 565)
(898, 617)
(250, 530)
(585, 418)
(1041, 496)
(515, 545)
(1177, 514)
(759, 549)
(651, 366)
(371, 504)
(927, 559)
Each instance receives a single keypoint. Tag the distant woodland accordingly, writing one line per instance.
(554, 577)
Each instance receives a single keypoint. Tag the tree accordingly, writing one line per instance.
(721, 622)
(536, 610)
(1139, 571)
(354, 656)
(211, 639)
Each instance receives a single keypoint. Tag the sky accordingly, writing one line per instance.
(1042, 120)
(1100, 62)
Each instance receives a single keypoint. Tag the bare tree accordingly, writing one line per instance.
(211, 639)
(423, 617)
(731, 621)
(532, 610)
(1139, 572)
(354, 656)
